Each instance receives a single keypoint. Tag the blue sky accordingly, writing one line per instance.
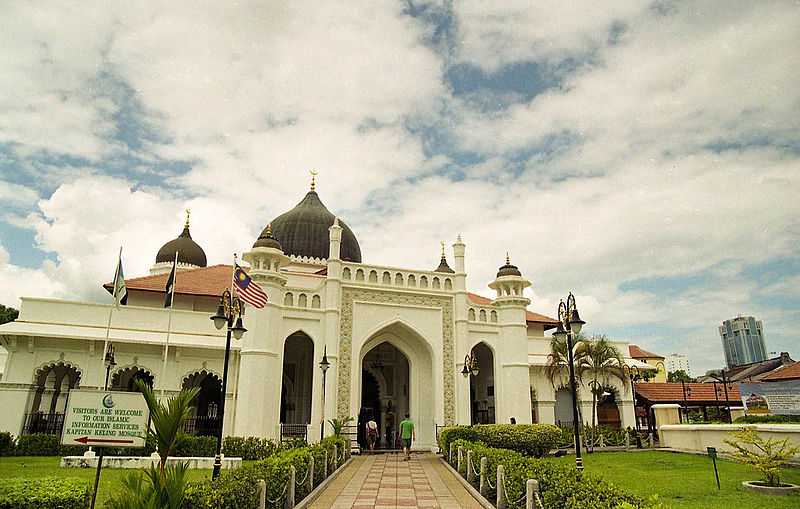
(643, 155)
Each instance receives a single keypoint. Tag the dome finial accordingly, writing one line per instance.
(188, 213)
(442, 243)
(313, 180)
(269, 230)
(508, 259)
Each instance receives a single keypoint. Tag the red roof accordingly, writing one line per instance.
(212, 281)
(531, 317)
(666, 392)
(638, 353)
(787, 372)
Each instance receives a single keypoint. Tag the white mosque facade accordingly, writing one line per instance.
(396, 339)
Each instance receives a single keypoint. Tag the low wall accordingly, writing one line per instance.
(146, 461)
(696, 437)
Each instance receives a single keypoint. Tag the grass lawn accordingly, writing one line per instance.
(47, 466)
(685, 480)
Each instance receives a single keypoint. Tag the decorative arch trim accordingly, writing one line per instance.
(207, 371)
(52, 364)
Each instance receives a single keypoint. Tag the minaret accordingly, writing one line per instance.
(332, 306)
(463, 343)
(512, 350)
(259, 356)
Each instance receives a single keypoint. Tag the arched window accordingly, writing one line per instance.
(412, 281)
(471, 314)
(423, 281)
(398, 279)
(482, 315)
(288, 299)
(387, 278)
(52, 385)
(436, 285)
(359, 275)
(205, 418)
(373, 276)
(315, 302)
(125, 379)
(346, 273)
(302, 300)
(448, 284)
(493, 316)
(298, 376)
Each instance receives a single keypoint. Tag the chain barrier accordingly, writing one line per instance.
(280, 497)
(305, 477)
(475, 471)
(489, 482)
(505, 493)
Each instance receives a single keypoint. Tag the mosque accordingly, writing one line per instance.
(398, 340)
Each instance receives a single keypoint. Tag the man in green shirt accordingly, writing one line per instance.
(407, 434)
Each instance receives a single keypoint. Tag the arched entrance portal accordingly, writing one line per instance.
(384, 393)
(205, 419)
(482, 388)
(296, 386)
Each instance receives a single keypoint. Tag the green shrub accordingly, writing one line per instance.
(197, 446)
(531, 439)
(248, 448)
(560, 485)
(44, 493)
(38, 444)
(453, 433)
(7, 443)
(768, 419)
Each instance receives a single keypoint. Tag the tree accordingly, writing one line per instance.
(557, 368)
(679, 376)
(600, 361)
(7, 314)
(159, 486)
(766, 456)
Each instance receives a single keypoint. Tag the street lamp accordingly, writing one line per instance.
(723, 378)
(570, 324)
(324, 365)
(229, 312)
(687, 392)
(471, 366)
(110, 362)
(634, 374)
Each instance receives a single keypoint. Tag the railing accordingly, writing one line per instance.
(40, 422)
(203, 426)
(291, 432)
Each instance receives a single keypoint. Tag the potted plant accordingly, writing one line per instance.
(766, 456)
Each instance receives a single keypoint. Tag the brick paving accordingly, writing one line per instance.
(385, 481)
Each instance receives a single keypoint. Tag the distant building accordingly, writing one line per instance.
(743, 341)
(653, 359)
(753, 372)
(678, 362)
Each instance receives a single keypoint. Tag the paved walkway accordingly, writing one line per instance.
(384, 481)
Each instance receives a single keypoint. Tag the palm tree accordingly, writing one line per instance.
(600, 361)
(162, 486)
(557, 368)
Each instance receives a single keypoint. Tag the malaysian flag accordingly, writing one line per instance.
(247, 289)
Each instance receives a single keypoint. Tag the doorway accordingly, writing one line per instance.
(385, 389)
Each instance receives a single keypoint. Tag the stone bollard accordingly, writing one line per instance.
(484, 464)
(262, 494)
(325, 466)
(602, 442)
(335, 457)
(627, 441)
(470, 467)
(452, 451)
(651, 439)
(501, 490)
(532, 494)
(310, 476)
(290, 488)
(460, 462)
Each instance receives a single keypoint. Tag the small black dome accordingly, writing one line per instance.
(267, 240)
(303, 231)
(508, 269)
(188, 250)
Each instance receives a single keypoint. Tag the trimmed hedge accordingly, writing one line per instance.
(43, 444)
(452, 433)
(7, 443)
(238, 488)
(768, 419)
(531, 439)
(249, 448)
(44, 493)
(560, 485)
(195, 446)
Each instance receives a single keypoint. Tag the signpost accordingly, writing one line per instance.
(107, 418)
(712, 452)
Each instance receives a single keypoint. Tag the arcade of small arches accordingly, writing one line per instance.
(397, 279)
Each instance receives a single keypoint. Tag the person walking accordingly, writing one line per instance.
(407, 436)
(372, 434)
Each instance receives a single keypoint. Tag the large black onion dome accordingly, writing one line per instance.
(266, 239)
(303, 231)
(508, 269)
(189, 252)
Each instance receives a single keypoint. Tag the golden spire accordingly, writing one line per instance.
(314, 180)
(269, 230)
(188, 213)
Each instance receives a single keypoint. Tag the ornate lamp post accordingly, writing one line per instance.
(471, 366)
(633, 373)
(110, 362)
(324, 365)
(230, 308)
(570, 324)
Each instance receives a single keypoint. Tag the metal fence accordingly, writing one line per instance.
(40, 422)
(290, 432)
(204, 426)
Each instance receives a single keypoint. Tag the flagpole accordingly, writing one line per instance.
(169, 322)
(111, 310)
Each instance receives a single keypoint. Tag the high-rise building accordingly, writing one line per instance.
(678, 362)
(743, 341)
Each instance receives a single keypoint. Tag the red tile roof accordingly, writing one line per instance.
(212, 281)
(638, 353)
(531, 317)
(787, 372)
(666, 392)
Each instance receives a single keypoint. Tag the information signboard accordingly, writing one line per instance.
(105, 419)
(778, 398)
